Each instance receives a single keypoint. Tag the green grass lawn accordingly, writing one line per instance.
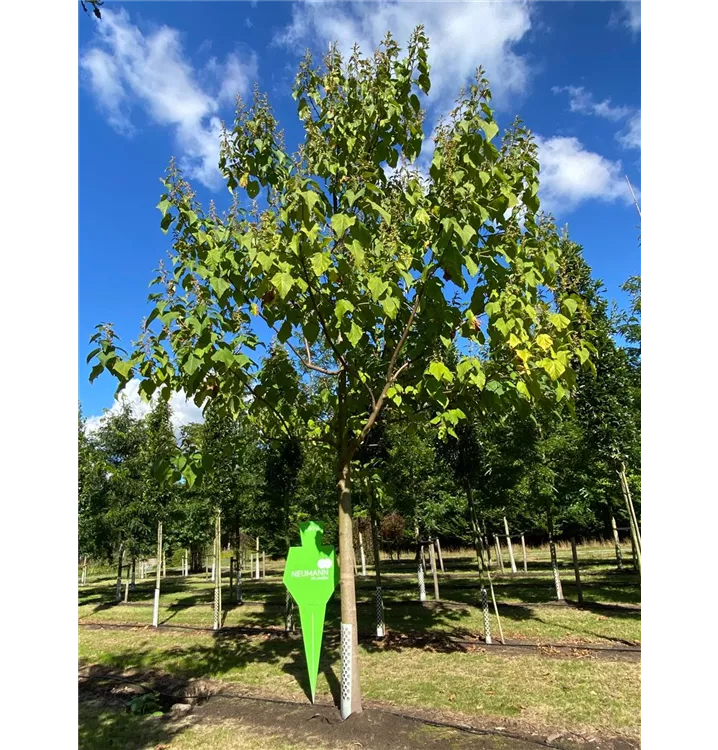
(579, 692)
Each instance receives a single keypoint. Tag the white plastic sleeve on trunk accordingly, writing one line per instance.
(379, 613)
(485, 608)
(422, 584)
(346, 692)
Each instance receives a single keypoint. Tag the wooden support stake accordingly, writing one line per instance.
(523, 552)
(432, 557)
(438, 551)
(511, 549)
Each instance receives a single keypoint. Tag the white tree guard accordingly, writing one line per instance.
(422, 583)
(156, 609)
(379, 613)
(485, 608)
(346, 686)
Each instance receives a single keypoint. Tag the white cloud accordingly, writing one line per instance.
(183, 411)
(462, 36)
(629, 15)
(128, 70)
(570, 175)
(582, 101)
(631, 136)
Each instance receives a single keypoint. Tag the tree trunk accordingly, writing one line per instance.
(118, 587)
(156, 609)
(164, 564)
(217, 569)
(351, 689)
(479, 547)
(432, 557)
(84, 570)
(554, 561)
(132, 582)
(632, 521)
(523, 552)
(377, 569)
(617, 543)
(511, 549)
(577, 573)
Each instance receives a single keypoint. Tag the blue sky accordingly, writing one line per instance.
(156, 79)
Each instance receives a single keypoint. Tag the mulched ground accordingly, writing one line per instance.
(378, 727)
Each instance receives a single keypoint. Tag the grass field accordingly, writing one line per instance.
(420, 666)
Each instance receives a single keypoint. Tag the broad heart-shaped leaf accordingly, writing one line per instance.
(553, 367)
(466, 233)
(377, 287)
(225, 356)
(123, 368)
(320, 262)
(219, 285)
(342, 222)
(283, 283)
(354, 334)
(489, 128)
(558, 321)
(570, 305)
(440, 371)
(342, 307)
(544, 341)
(390, 306)
(465, 366)
(311, 331)
(523, 390)
(252, 189)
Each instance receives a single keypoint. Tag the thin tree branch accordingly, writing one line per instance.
(308, 364)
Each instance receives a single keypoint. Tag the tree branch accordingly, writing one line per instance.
(308, 362)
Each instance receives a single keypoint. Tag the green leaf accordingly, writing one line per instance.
(377, 287)
(283, 283)
(385, 215)
(558, 321)
(342, 307)
(123, 368)
(523, 390)
(285, 331)
(219, 285)
(320, 262)
(440, 372)
(191, 364)
(544, 341)
(570, 305)
(390, 306)
(167, 219)
(466, 233)
(465, 366)
(553, 367)
(311, 331)
(490, 128)
(421, 216)
(252, 189)
(342, 222)
(354, 334)
(224, 355)
(96, 370)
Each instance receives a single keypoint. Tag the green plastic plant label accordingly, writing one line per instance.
(311, 576)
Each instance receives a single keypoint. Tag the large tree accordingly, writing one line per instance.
(348, 243)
